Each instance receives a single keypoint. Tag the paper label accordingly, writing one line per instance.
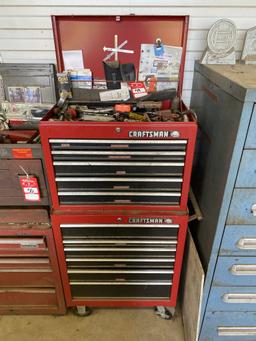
(30, 188)
(138, 89)
(115, 95)
(22, 153)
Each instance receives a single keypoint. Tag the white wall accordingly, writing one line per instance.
(26, 33)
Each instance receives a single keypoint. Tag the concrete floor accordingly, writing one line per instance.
(102, 325)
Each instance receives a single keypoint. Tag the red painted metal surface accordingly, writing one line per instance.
(91, 33)
(35, 292)
(107, 130)
(108, 217)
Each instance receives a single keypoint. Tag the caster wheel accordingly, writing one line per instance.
(81, 311)
(164, 313)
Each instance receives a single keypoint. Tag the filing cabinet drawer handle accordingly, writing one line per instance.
(247, 244)
(243, 269)
(239, 298)
(236, 331)
(253, 210)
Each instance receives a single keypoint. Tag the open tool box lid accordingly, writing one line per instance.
(91, 33)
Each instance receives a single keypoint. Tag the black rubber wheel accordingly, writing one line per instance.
(164, 314)
(87, 312)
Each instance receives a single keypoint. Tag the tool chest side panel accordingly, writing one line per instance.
(220, 118)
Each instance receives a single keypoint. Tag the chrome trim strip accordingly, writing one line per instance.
(113, 163)
(126, 179)
(118, 141)
(169, 283)
(99, 152)
(118, 241)
(82, 271)
(170, 249)
(86, 259)
(120, 225)
(153, 194)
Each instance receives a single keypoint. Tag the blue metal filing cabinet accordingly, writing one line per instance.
(224, 181)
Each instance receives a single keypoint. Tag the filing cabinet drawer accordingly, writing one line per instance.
(239, 241)
(229, 326)
(251, 136)
(232, 299)
(240, 212)
(247, 170)
(235, 271)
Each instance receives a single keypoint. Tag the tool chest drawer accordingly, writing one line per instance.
(23, 245)
(119, 230)
(239, 240)
(242, 206)
(229, 326)
(119, 256)
(235, 271)
(11, 191)
(232, 299)
(121, 289)
(27, 277)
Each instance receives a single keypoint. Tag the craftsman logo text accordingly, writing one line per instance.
(150, 221)
(150, 134)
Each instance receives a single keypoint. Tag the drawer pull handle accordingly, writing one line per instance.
(236, 331)
(253, 210)
(247, 244)
(243, 269)
(239, 298)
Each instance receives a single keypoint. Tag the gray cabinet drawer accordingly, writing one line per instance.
(240, 212)
(232, 299)
(251, 136)
(229, 326)
(239, 240)
(247, 170)
(235, 271)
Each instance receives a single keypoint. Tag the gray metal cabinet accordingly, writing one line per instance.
(224, 181)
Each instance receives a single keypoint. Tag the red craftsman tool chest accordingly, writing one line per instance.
(120, 259)
(119, 182)
(142, 165)
(30, 280)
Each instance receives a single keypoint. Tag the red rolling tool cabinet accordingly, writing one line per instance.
(30, 281)
(119, 189)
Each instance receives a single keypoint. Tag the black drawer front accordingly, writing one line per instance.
(118, 171)
(118, 184)
(116, 198)
(93, 168)
(116, 145)
(116, 289)
(119, 262)
(123, 275)
(108, 230)
(102, 252)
